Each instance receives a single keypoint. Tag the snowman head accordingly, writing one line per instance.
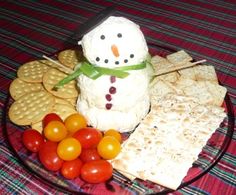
(116, 42)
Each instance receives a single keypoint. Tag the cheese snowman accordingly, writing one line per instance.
(108, 101)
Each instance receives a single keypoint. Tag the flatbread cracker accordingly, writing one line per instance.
(162, 71)
(159, 88)
(182, 83)
(161, 65)
(180, 57)
(127, 175)
(206, 73)
(218, 92)
(155, 151)
(170, 77)
(199, 73)
(206, 91)
(173, 62)
(187, 73)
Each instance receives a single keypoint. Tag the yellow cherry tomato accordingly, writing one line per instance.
(113, 133)
(75, 122)
(109, 147)
(55, 131)
(69, 149)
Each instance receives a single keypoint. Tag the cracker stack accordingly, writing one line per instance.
(185, 111)
(168, 140)
(34, 94)
(199, 81)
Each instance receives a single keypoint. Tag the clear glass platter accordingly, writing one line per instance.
(119, 184)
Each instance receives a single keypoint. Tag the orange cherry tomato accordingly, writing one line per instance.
(51, 117)
(55, 131)
(113, 133)
(96, 171)
(88, 137)
(71, 169)
(109, 147)
(69, 149)
(75, 122)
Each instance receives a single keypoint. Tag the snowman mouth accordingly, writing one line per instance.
(116, 62)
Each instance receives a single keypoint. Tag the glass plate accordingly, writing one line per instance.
(210, 155)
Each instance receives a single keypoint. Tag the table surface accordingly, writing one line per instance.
(204, 29)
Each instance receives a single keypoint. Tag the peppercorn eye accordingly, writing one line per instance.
(102, 37)
(119, 35)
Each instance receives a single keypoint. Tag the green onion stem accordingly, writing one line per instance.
(94, 72)
(67, 79)
(112, 72)
(90, 71)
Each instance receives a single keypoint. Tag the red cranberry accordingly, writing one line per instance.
(113, 79)
(112, 90)
(108, 106)
(108, 97)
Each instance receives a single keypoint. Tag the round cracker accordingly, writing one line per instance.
(31, 108)
(52, 77)
(62, 101)
(70, 57)
(38, 126)
(64, 110)
(54, 64)
(73, 101)
(19, 87)
(33, 71)
(61, 107)
(70, 101)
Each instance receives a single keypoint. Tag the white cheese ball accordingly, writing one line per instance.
(122, 33)
(114, 43)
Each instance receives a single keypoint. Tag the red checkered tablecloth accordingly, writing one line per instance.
(204, 29)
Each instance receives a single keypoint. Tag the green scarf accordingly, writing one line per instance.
(95, 72)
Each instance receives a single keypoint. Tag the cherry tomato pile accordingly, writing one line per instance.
(73, 148)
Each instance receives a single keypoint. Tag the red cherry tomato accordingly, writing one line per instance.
(88, 137)
(48, 156)
(71, 169)
(96, 171)
(89, 155)
(51, 117)
(32, 140)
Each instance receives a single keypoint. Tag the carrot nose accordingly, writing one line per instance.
(115, 50)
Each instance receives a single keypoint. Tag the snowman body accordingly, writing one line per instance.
(110, 102)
